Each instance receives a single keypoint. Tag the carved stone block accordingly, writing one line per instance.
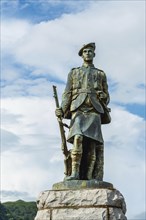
(81, 204)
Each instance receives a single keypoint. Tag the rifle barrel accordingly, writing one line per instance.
(55, 96)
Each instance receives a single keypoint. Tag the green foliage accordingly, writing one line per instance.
(3, 213)
(18, 210)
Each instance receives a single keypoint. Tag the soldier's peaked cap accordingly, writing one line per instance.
(85, 46)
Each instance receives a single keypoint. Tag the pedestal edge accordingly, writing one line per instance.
(82, 184)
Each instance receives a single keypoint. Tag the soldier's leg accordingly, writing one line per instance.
(99, 164)
(76, 155)
(91, 159)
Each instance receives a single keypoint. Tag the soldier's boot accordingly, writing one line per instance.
(99, 164)
(76, 156)
(76, 159)
(91, 163)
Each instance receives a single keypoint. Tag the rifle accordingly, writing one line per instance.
(66, 152)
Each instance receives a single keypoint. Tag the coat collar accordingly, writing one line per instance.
(87, 65)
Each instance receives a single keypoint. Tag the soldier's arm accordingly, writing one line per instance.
(66, 97)
(106, 97)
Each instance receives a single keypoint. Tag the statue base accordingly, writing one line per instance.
(81, 184)
(81, 200)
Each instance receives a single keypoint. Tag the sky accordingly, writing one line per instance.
(40, 41)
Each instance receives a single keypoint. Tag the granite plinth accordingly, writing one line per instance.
(93, 203)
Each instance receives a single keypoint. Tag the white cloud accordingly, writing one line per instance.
(26, 172)
(10, 73)
(132, 94)
(31, 109)
(28, 166)
(13, 195)
(8, 140)
(24, 87)
(12, 32)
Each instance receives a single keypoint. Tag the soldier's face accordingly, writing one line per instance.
(88, 54)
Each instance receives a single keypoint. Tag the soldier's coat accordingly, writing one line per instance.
(80, 101)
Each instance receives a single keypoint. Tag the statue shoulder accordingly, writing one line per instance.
(102, 73)
(74, 68)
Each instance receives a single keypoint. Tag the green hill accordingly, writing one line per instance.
(19, 210)
(3, 213)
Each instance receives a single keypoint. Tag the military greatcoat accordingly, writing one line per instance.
(81, 103)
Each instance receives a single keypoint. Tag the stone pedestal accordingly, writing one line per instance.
(81, 200)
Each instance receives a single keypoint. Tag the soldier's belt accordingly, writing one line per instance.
(88, 91)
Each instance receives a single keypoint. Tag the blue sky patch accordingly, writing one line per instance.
(40, 10)
(136, 109)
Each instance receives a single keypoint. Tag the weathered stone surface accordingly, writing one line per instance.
(87, 204)
(43, 215)
(82, 184)
(116, 214)
(77, 198)
(80, 214)
(42, 198)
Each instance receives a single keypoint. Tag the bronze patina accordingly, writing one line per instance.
(84, 102)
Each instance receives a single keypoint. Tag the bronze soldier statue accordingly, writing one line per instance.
(85, 101)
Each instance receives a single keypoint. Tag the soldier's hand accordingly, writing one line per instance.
(101, 95)
(59, 112)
